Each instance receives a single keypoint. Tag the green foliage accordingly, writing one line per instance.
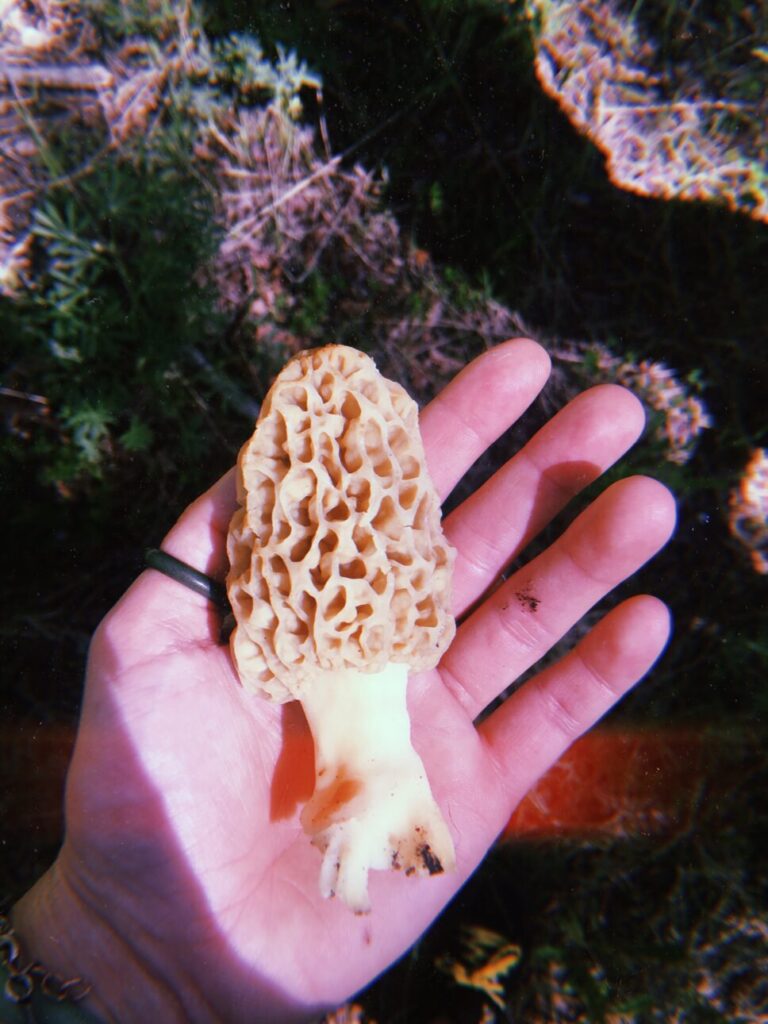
(88, 427)
(116, 305)
(138, 437)
(311, 315)
(141, 389)
(240, 61)
(114, 329)
(153, 19)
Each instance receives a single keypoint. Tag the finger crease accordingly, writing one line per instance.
(458, 691)
(483, 564)
(602, 681)
(522, 632)
(558, 713)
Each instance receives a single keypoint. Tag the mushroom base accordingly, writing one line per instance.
(372, 807)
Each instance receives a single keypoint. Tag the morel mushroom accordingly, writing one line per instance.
(340, 584)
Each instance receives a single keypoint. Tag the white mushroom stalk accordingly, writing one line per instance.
(340, 583)
(372, 806)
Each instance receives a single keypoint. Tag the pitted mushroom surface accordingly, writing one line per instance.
(340, 585)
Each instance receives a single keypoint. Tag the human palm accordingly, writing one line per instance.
(185, 791)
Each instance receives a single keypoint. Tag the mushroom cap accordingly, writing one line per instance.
(337, 555)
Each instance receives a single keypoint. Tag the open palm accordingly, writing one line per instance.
(185, 791)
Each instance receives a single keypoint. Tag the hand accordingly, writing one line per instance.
(185, 888)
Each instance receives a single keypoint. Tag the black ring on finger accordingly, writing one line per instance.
(192, 578)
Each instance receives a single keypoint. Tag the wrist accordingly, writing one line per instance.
(29, 992)
(133, 975)
(58, 929)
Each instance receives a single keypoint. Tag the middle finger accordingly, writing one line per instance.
(494, 524)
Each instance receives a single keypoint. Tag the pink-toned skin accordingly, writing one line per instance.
(186, 889)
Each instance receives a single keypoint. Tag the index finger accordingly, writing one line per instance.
(156, 610)
(199, 537)
(479, 404)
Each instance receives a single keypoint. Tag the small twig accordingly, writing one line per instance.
(226, 387)
(222, 140)
(323, 125)
(88, 77)
(24, 396)
(677, 106)
(256, 222)
(31, 125)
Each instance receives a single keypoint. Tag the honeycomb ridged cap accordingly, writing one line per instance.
(337, 555)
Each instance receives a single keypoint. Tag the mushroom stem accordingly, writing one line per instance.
(372, 806)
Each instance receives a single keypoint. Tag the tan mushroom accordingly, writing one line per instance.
(340, 585)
